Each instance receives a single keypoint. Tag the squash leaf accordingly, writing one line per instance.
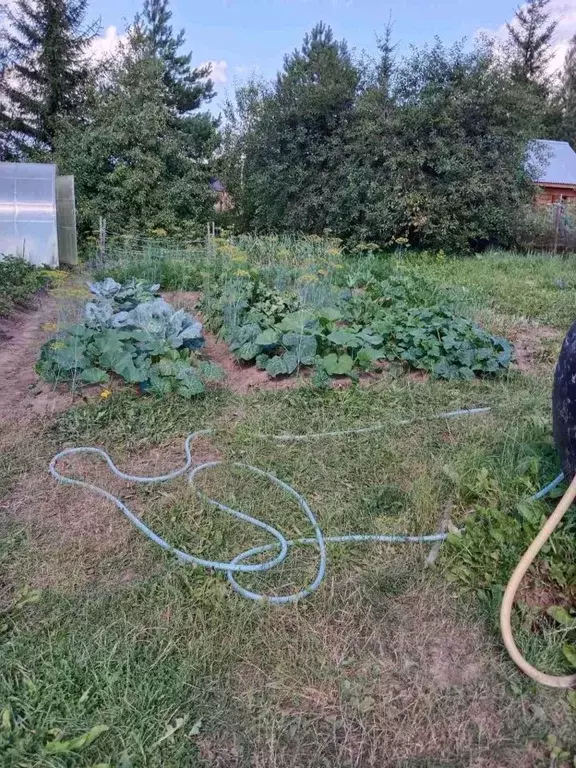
(268, 337)
(248, 351)
(337, 365)
(94, 376)
(303, 346)
(562, 616)
(344, 338)
(282, 365)
(569, 651)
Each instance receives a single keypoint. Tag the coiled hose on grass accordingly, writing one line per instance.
(237, 564)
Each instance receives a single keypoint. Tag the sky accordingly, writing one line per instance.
(244, 36)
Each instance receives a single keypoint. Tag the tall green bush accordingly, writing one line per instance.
(430, 153)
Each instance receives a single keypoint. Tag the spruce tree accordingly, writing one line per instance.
(291, 171)
(567, 95)
(47, 45)
(188, 88)
(529, 41)
(385, 66)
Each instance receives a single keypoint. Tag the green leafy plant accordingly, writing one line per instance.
(127, 295)
(17, 739)
(565, 619)
(557, 754)
(19, 281)
(391, 319)
(149, 344)
(440, 342)
(482, 557)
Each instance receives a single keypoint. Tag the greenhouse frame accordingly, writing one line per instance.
(37, 214)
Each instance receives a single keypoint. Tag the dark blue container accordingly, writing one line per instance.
(564, 404)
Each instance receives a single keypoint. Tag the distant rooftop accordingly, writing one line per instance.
(555, 161)
(216, 185)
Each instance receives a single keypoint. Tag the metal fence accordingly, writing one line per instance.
(552, 228)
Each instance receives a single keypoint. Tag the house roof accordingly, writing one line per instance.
(553, 162)
(216, 185)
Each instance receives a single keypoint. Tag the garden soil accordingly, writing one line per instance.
(23, 395)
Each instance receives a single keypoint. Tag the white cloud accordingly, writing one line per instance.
(106, 44)
(218, 71)
(562, 10)
(243, 70)
(565, 31)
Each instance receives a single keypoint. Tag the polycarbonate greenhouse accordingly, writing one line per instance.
(28, 212)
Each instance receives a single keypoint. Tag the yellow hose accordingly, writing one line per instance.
(555, 681)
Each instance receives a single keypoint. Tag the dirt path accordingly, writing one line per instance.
(23, 395)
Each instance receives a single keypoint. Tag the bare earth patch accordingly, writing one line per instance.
(79, 538)
(410, 682)
(539, 591)
(23, 395)
(534, 345)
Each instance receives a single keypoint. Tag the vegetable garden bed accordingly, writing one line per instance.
(130, 332)
(344, 322)
(318, 317)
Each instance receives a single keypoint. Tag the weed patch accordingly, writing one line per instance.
(129, 420)
(535, 286)
(19, 281)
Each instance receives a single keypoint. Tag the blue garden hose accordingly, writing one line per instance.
(237, 564)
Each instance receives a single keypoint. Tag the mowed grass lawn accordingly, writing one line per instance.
(390, 663)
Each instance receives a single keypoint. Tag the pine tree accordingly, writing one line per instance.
(529, 41)
(189, 88)
(47, 44)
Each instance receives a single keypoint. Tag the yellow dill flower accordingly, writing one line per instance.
(322, 272)
(105, 393)
(333, 251)
(242, 273)
(57, 345)
(81, 293)
(49, 327)
(308, 278)
(55, 275)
